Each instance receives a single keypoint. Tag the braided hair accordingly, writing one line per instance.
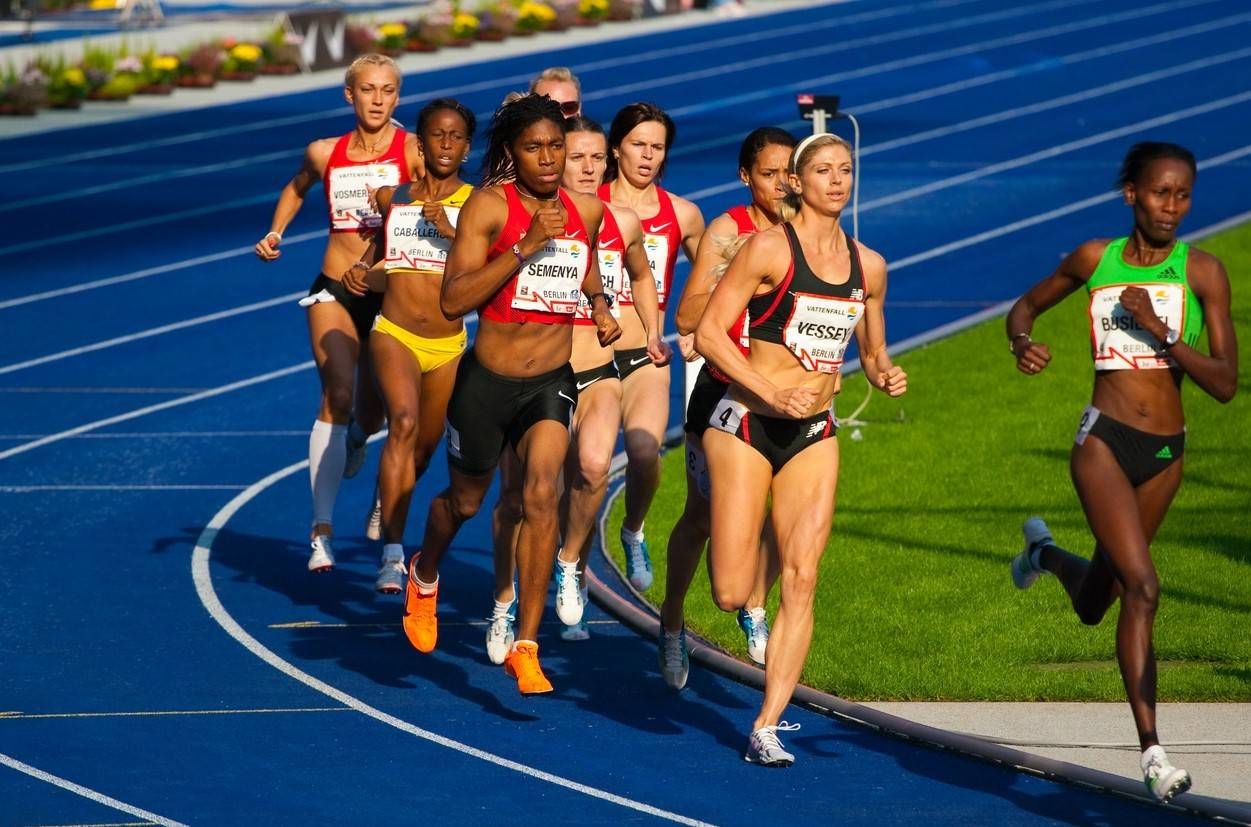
(507, 124)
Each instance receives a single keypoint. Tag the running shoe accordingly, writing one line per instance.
(1037, 535)
(522, 663)
(500, 634)
(356, 449)
(764, 748)
(421, 623)
(390, 575)
(638, 562)
(579, 632)
(569, 605)
(675, 660)
(322, 558)
(756, 629)
(373, 523)
(1162, 778)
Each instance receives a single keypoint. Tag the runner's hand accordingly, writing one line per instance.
(1138, 302)
(686, 346)
(372, 194)
(1031, 356)
(893, 382)
(606, 328)
(793, 403)
(546, 224)
(267, 247)
(354, 279)
(659, 350)
(436, 215)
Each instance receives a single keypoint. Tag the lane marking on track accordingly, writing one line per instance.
(899, 264)
(165, 713)
(34, 489)
(170, 435)
(153, 331)
(317, 624)
(699, 147)
(78, 789)
(161, 406)
(932, 57)
(633, 59)
(202, 577)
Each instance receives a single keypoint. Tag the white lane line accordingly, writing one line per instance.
(687, 149)
(35, 489)
(161, 406)
(165, 713)
(103, 390)
(1054, 151)
(932, 57)
(202, 577)
(631, 57)
(151, 271)
(317, 624)
(161, 177)
(170, 435)
(1044, 217)
(78, 789)
(153, 331)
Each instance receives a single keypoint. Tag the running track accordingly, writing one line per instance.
(152, 372)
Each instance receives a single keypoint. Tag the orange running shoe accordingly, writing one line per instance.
(522, 663)
(421, 623)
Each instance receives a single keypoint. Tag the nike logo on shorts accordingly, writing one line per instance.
(562, 395)
(639, 361)
(581, 386)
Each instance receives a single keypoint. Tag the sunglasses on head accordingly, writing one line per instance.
(569, 108)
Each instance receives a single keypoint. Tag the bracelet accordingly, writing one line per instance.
(607, 299)
(517, 252)
(359, 264)
(1012, 341)
(276, 234)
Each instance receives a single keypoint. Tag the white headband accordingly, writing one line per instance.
(795, 153)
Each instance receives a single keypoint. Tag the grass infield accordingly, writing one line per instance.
(915, 601)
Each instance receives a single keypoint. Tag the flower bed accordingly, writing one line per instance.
(114, 74)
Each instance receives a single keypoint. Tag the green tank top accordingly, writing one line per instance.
(1117, 342)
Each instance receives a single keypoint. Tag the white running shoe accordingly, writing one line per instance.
(373, 523)
(500, 634)
(1037, 535)
(638, 562)
(756, 628)
(391, 575)
(579, 632)
(764, 748)
(675, 660)
(356, 451)
(569, 605)
(322, 558)
(1162, 778)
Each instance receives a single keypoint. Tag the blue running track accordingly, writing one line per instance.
(152, 372)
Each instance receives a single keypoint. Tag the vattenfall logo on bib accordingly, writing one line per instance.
(575, 250)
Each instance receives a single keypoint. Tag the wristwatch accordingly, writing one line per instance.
(607, 299)
(1171, 337)
(516, 249)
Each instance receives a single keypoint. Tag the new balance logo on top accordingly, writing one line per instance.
(814, 429)
(1170, 273)
(1164, 453)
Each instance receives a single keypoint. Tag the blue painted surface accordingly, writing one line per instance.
(101, 613)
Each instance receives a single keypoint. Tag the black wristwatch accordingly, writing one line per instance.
(607, 299)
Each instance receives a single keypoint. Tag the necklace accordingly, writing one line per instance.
(372, 148)
(522, 190)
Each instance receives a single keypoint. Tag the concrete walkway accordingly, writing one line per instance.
(1213, 741)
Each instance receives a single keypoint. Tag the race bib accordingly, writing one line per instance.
(1089, 417)
(819, 329)
(413, 243)
(551, 281)
(657, 249)
(727, 415)
(1119, 343)
(611, 274)
(349, 194)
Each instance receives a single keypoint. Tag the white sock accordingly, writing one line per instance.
(427, 588)
(327, 455)
(570, 569)
(632, 536)
(392, 552)
(501, 609)
(1151, 753)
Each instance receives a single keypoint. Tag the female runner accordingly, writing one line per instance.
(806, 286)
(1150, 296)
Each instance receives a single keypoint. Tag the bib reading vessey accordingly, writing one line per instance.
(551, 281)
(819, 329)
(349, 194)
(413, 243)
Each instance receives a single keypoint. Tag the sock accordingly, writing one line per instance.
(327, 455)
(425, 588)
(632, 536)
(392, 552)
(569, 569)
(501, 609)
(1152, 753)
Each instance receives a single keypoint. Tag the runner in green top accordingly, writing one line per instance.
(1150, 296)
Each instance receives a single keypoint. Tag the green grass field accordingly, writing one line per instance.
(915, 601)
